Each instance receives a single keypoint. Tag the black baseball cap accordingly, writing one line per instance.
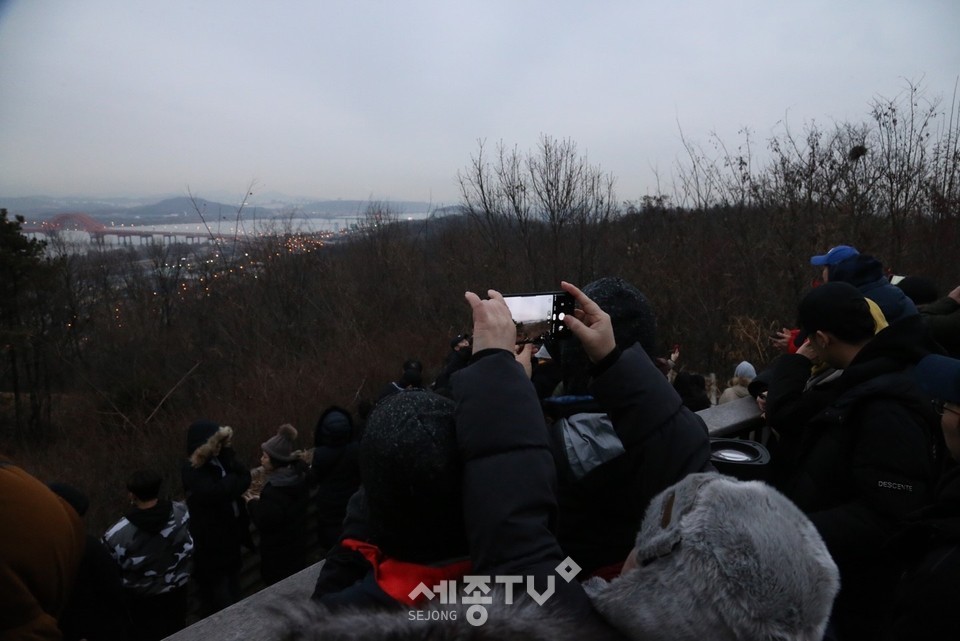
(838, 308)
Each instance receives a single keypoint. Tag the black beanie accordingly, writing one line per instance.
(198, 433)
(411, 472)
(335, 427)
(633, 322)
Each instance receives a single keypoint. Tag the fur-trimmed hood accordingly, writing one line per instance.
(722, 559)
(202, 453)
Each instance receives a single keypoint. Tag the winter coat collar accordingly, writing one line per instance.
(400, 579)
(153, 519)
(286, 476)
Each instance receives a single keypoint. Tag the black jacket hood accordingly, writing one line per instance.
(153, 519)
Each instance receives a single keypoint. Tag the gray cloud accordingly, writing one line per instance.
(388, 99)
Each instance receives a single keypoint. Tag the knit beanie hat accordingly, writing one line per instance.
(411, 472)
(633, 322)
(939, 377)
(723, 559)
(335, 427)
(745, 370)
(280, 447)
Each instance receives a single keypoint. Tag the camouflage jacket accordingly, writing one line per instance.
(153, 547)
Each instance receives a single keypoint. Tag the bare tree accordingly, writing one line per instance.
(551, 199)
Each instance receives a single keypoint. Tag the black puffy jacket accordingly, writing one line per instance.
(663, 442)
(867, 456)
(218, 521)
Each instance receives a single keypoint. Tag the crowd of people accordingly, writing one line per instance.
(562, 490)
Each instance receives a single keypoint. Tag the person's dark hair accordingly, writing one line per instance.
(919, 289)
(692, 389)
(145, 484)
(411, 378)
(72, 495)
(633, 322)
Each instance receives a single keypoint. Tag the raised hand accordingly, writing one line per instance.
(590, 324)
(493, 325)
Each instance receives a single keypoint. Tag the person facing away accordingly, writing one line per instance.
(846, 265)
(279, 512)
(152, 545)
(96, 611)
(411, 378)
(692, 389)
(458, 357)
(42, 544)
(214, 482)
(737, 387)
(335, 468)
(867, 456)
(412, 508)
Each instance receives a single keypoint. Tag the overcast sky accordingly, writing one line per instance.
(387, 100)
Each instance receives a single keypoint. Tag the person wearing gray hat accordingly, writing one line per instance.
(279, 511)
(738, 386)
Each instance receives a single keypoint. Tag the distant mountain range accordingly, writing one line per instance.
(183, 209)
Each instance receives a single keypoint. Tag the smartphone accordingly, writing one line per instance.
(539, 316)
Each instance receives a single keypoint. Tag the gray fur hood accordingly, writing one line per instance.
(722, 559)
(522, 621)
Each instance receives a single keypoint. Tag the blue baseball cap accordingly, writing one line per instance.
(836, 255)
(939, 376)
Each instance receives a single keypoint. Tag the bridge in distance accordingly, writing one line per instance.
(77, 221)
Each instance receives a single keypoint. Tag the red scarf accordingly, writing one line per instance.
(399, 578)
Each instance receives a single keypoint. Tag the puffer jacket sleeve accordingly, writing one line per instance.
(789, 404)
(509, 478)
(943, 319)
(647, 412)
(205, 488)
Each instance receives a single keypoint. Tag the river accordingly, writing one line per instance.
(198, 232)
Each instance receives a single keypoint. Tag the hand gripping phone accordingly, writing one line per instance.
(539, 316)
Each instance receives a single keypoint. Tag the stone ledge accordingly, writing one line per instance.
(733, 418)
(250, 618)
